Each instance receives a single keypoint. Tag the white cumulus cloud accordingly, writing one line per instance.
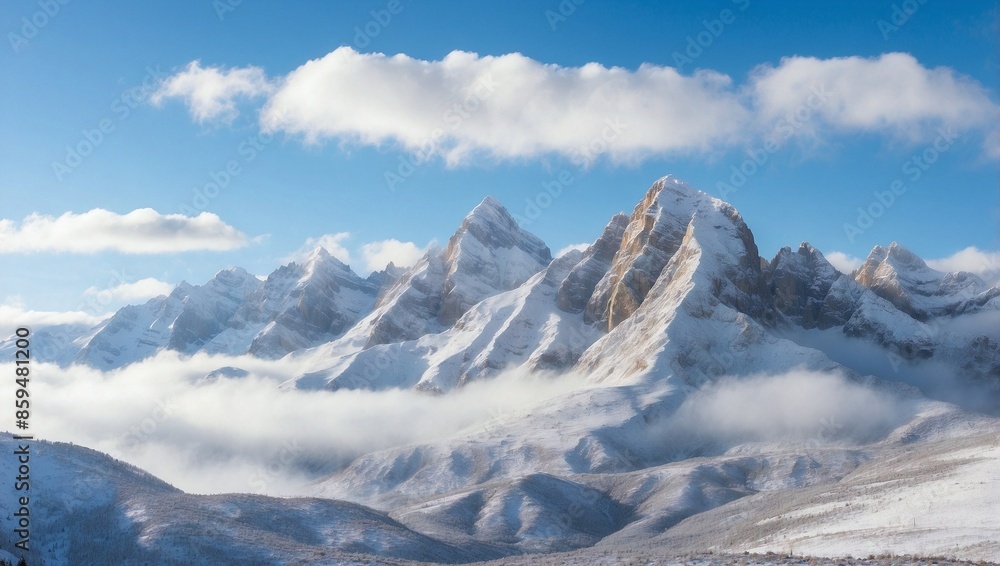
(974, 260)
(332, 243)
(466, 104)
(210, 93)
(510, 106)
(142, 231)
(129, 292)
(892, 94)
(377, 255)
(571, 247)
(13, 315)
(842, 262)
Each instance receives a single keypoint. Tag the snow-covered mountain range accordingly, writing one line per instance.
(665, 291)
(668, 303)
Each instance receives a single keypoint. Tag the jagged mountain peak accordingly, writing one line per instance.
(233, 281)
(493, 225)
(321, 261)
(489, 253)
(233, 271)
(805, 248)
(182, 289)
(657, 227)
(896, 256)
(319, 253)
(577, 289)
(901, 277)
(670, 187)
(807, 253)
(489, 201)
(386, 277)
(490, 211)
(799, 282)
(670, 183)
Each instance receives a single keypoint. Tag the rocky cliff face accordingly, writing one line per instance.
(186, 320)
(576, 291)
(325, 300)
(650, 239)
(297, 306)
(653, 236)
(799, 282)
(900, 277)
(705, 310)
(409, 309)
(488, 254)
(893, 301)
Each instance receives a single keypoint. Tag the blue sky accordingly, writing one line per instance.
(694, 90)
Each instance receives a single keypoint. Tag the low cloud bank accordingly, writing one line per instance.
(238, 432)
(801, 407)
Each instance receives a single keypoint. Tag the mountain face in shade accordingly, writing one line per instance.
(799, 282)
(487, 255)
(314, 303)
(576, 291)
(297, 306)
(184, 321)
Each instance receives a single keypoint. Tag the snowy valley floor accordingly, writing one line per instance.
(936, 504)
